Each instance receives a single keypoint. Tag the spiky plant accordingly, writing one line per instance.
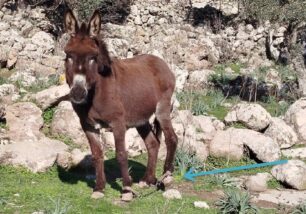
(300, 209)
(224, 180)
(185, 158)
(236, 202)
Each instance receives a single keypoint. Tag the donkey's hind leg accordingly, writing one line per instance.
(163, 111)
(152, 145)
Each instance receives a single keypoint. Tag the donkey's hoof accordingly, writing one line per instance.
(127, 197)
(97, 195)
(168, 180)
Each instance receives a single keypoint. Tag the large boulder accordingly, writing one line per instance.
(133, 142)
(199, 78)
(296, 116)
(51, 96)
(298, 153)
(292, 173)
(194, 133)
(258, 182)
(230, 143)
(28, 147)
(252, 115)
(66, 122)
(281, 133)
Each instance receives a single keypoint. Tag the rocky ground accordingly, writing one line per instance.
(39, 130)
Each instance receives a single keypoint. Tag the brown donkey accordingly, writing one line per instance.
(118, 94)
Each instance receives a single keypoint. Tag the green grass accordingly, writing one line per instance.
(219, 163)
(213, 182)
(238, 125)
(39, 84)
(236, 201)
(3, 125)
(48, 115)
(69, 191)
(203, 103)
(274, 184)
(274, 107)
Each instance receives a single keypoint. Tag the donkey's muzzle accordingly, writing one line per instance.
(78, 94)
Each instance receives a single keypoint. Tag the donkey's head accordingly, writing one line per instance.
(86, 56)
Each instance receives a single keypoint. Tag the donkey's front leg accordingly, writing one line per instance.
(122, 158)
(98, 159)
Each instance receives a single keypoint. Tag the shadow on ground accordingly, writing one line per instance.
(112, 173)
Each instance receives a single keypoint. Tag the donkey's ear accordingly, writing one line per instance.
(71, 24)
(95, 24)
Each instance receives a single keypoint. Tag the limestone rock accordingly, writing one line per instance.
(292, 173)
(296, 116)
(258, 182)
(51, 96)
(172, 194)
(254, 116)
(65, 122)
(299, 153)
(281, 133)
(28, 147)
(230, 144)
(201, 204)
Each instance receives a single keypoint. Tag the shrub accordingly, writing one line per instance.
(236, 201)
(185, 159)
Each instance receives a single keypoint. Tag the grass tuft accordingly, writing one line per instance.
(236, 201)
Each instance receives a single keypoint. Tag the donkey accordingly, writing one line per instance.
(118, 94)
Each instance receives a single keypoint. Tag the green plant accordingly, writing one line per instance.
(236, 67)
(111, 10)
(274, 184)
(3, 80)
(185, 159)
(3, 125)
(274, 107)
(201, 103)
(48, 115)
(212, 182)
(165, 208)
(236, 202)
(300, 209)
(221, 77)
(58, 206)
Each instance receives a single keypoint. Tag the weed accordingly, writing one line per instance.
(3, 80)
(236, 201)
(65, 139)
(58, 207)
(165, 208)
(236, 67)
(185, 159)
(218, 163)
(286, 74)
(39, 84)
(48, 115)
(3, 125)
(212, 182)
(238, 125)
(201, 103)
(274, 107)
(300, 209)
(274, 184)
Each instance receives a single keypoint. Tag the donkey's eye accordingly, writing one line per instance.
(69, 58)
(92, 60)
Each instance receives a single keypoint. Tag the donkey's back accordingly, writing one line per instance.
(142, 82)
